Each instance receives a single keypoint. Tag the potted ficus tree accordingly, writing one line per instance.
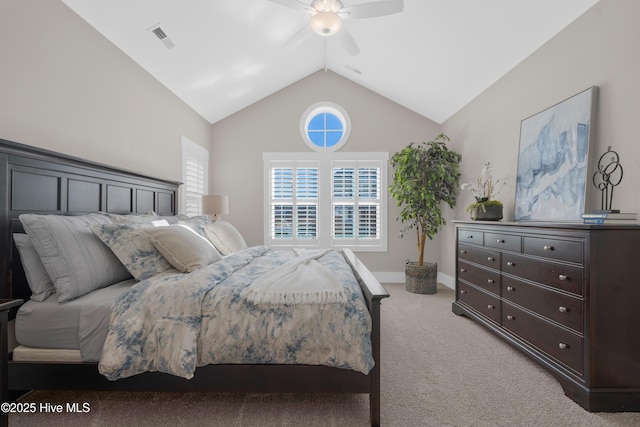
(425, 176)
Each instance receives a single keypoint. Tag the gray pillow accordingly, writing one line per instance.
(225, 237)
(182, 247)
(75, 259)
(133, 248)
(39, 281)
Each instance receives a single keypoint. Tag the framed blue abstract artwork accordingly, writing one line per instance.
(553, 161)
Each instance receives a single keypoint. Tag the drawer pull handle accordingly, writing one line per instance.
(562, 309)
(510, 264)
(491, 281)
(510, 289)
(463, 251)
(490, 307)
(510, 317)
(462, 270)
(469, 236)
(563, 346)
(500, 241)
(462, 291)
(491, 258)
(562, 277)
(548, 248)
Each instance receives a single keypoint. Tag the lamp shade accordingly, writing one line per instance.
(215, 204)
(326, 23)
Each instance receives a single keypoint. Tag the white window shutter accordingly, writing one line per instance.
(293, 202)
(336, 200)
(195, 176)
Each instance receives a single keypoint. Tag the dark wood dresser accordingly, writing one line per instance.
(566, 295)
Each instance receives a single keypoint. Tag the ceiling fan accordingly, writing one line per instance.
(327, 17)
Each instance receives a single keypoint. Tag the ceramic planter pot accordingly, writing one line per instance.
(491, 212)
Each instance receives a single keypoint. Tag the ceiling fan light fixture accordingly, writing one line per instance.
(326, 23)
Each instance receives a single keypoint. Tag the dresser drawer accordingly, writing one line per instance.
(561, 276)
(507, 242)
(470, 236)
(481, 277)
(556, 306)
(482, 302)
(479, 255)
(565, 250)
(559, 343)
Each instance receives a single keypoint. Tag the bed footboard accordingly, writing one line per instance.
(373, 294)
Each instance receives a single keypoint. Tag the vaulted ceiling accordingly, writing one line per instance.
(435, 56)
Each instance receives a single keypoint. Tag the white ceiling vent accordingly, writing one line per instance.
(159, 32)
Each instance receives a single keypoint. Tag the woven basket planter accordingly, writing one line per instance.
(421, 279)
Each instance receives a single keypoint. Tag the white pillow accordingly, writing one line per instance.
(174, 219)
(225, 237)
(149, 216)
(39, 281)
(128, 218)
(133, 248)
(197, 224)
(75, 259)
(183, 247)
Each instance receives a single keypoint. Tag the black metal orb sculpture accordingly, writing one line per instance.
(607, 177)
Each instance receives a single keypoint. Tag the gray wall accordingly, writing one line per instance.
(598, 49)
(272, 125)
(64, 87)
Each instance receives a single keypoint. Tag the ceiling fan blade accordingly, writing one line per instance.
(348, 42)
(293, 4)
(298, 37)
(373, 9)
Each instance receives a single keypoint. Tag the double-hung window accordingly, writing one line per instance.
(293, 202)
(326, 200)
(356, 202)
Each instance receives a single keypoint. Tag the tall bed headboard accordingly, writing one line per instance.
(43, 182)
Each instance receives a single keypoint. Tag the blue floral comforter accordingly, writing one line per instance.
(174, 322)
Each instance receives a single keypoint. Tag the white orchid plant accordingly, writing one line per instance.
(484, 187)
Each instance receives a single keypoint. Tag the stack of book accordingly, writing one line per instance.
(608, 217)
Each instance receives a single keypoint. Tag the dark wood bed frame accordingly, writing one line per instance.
(44, 182)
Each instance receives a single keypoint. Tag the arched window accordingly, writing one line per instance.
(325, 126)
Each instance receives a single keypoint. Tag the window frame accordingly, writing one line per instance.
(197, 154)
(325, 162)
(270, 200)
(320, 108)
(358, 201)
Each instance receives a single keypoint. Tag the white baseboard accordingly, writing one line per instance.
(398, 277)
(448, 281)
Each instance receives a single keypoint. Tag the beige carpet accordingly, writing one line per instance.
(438, 369)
